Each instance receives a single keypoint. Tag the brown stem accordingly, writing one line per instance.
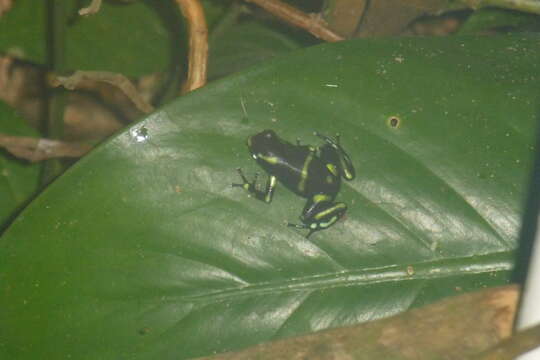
(198, 44)
(80, 78)
(310, 22)
(530, 6)
(36, 149)
(518, 344)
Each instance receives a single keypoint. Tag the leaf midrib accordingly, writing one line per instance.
(429, 270)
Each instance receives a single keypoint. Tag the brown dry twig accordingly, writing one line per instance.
(511, 348)
(310, 22)
(435, 331)
(80, 80)
(93, 8)
(198, 44)
(38, 149)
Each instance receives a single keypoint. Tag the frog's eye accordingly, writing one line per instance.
(268, 135)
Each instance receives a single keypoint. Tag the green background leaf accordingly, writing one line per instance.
(488, 20)
(18, 179)
(246, 44)
(143, 250)
(27, 40)
(140, 29)
(93, 42)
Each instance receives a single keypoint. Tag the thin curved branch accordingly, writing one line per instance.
(91, 9)
(198, 44)
(310, 22)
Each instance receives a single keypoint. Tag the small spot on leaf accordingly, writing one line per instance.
(394, 122)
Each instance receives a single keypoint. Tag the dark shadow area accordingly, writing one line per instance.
(530, 217)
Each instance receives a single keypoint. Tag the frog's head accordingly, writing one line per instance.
(264, 146)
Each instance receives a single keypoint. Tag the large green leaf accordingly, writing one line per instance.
(143, 250)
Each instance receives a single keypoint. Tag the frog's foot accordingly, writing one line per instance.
(247, 185)
(298, 226)
(304, 226)
(252, 188)
(329, 140)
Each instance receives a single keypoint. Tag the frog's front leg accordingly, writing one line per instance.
(320, 213)
(251, 187)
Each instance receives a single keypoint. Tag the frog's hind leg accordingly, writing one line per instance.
(320, 213)
(332, 153)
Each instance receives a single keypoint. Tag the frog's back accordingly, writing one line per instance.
(306, 175)
(320, 180)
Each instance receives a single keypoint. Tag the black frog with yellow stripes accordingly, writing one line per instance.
(311, 172)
